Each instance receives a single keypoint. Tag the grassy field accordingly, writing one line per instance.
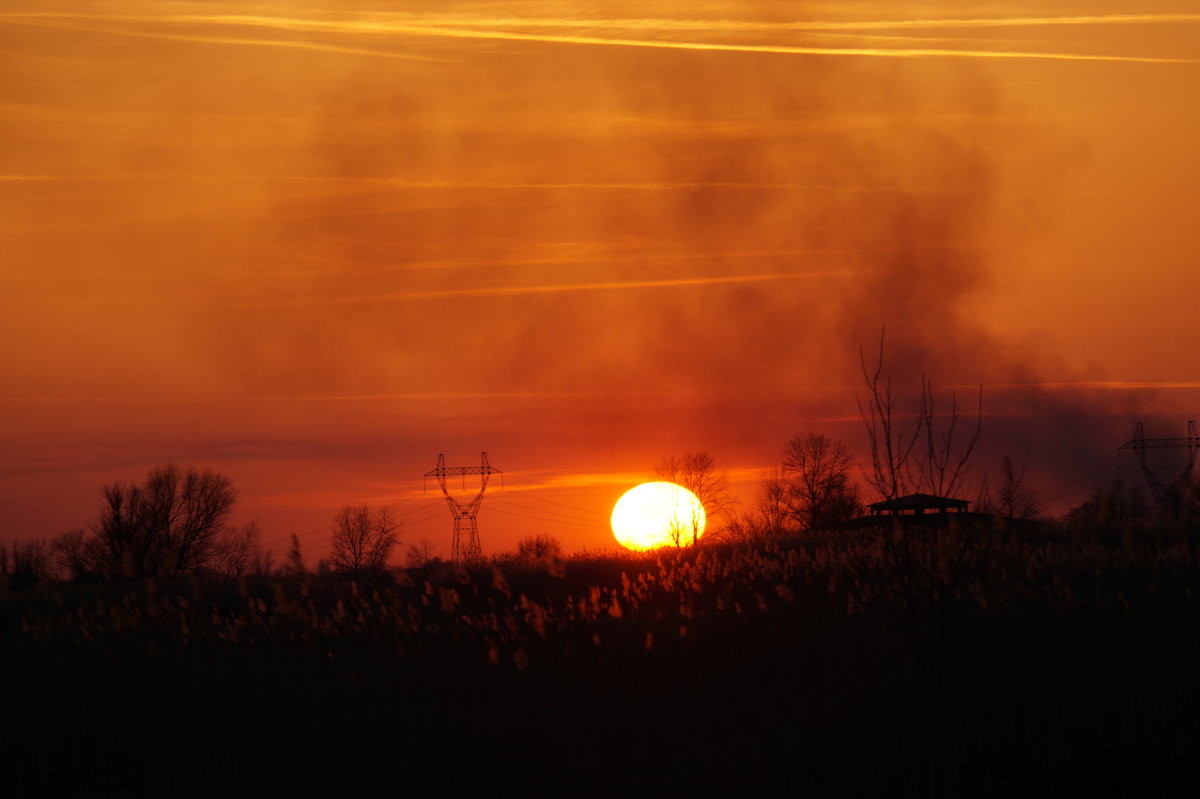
(884, 662)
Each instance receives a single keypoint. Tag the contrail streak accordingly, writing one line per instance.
(724, 25)
(471, 185)
(420, 27)
(497, 291)
(383, 23)
(286, 43)
(562, 288)
(776, 49)
(1005, 22)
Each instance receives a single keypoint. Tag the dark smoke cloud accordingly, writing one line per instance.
(551, 168)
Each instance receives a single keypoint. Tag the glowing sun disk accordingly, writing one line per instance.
(654, 515)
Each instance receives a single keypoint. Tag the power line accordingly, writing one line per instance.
(545, 520)
(427, 517)
(591, 511)
(574, 517)
(549, 519)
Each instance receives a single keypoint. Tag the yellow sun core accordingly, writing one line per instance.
(654, 515)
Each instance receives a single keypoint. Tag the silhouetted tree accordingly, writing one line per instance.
(898, 465)
(24, 564)
(166, 526)
(420, 554)
(890, 451)
(1115, 503)
(363, 539)
(81, 558)
(769, 514)
(944, 460)
(539, 547)
(816, 472)
(773, 503)
(1013, 499)
(238, 551)
(696, 472)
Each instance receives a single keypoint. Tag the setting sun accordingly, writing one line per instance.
(654, 515)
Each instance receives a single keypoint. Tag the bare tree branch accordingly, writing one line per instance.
(363, 539)
(890, 453)
(165, 527)
(943, 467)
(816, 471)
(697, 472)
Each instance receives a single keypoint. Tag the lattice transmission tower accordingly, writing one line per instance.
(465, 544)
(1168, 497)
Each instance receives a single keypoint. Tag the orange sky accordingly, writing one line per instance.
(312, 245)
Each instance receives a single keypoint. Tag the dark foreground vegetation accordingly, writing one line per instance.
(881, 662)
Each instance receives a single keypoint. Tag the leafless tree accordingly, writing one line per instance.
(773, 503)
(24, 564)
(944, 462)
(1013, 499)
(816, 471)
(81, 558)
(890, 450)
(363, 539)
(419, 554)
(770, 513)
(743, 528)
(898, 465)
(539, 547)
(166, 526)
(238, 551)
(696, 472)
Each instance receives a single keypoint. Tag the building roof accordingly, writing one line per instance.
(919, 502)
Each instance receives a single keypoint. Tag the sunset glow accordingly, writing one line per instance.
(690, 397)
(313, 245)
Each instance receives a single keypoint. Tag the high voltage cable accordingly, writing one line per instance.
(591, 511)
(568, 516)
(423, 519)
(549, 515)
(544, 520)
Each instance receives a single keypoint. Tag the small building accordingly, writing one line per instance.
(929, 511)
(918, 505)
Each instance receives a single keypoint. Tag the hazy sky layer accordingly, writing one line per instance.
(312, 245)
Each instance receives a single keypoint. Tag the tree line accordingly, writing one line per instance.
(176, 523)
(931, 450)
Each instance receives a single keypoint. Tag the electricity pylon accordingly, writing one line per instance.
(465, 544)
(1165, 493)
